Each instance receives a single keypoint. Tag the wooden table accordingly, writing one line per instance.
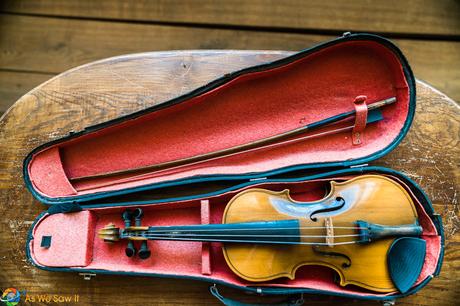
(109, 88)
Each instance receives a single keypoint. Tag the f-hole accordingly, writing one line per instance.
(345, 264)
(338, 204)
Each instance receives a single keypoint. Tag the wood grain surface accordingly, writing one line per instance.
(384, 16)
(106, 89)
(47, 37)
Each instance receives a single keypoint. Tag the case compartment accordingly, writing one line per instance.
(245, 106)
(186, 259)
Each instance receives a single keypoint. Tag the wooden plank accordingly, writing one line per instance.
(428, 154)
(53, 45)
(15, 84)
(434, 62)
(383, 16)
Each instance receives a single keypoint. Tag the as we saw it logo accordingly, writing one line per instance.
(11, 296)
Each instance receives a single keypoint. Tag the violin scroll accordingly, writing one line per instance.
(110, 233)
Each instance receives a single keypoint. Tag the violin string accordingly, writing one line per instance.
(257, 241)
(250, 228)
(249, 235)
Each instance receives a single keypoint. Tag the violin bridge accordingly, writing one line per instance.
(329, 231)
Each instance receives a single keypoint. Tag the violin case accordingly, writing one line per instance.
(237, 108)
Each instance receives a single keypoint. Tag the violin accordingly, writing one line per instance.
(267, 235)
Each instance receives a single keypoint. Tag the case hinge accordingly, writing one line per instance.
(257, 179)
(359, 166)
(64, 208)
(87, 276)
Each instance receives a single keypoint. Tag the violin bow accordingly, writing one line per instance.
(263, 143)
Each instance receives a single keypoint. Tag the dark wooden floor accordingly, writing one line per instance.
(41, 38)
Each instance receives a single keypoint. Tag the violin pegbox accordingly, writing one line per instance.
(110, 233)
(144, 251)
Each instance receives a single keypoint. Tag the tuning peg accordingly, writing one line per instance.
(130, 250)
(126, 216)
(137, 214)
(144, 251)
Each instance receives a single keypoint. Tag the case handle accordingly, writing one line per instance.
(291, 301)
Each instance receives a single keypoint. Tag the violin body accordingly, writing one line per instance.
(373, 198)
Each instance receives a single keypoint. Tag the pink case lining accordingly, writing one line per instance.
(72, 237)
(205, 246)
(249, 107)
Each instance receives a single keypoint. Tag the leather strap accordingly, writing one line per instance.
(360, 119)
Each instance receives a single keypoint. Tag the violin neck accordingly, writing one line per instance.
(250, 232)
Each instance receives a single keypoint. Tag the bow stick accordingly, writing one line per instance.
(257, 144)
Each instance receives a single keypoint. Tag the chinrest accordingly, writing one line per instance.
(405, 261)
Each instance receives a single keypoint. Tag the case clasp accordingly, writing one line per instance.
(87, 276)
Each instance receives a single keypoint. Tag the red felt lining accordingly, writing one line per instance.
(51, 176)
(250, 107)
(205, 246)
(72, 237)
(186, 258)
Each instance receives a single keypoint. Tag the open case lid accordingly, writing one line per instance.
(241, 107)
